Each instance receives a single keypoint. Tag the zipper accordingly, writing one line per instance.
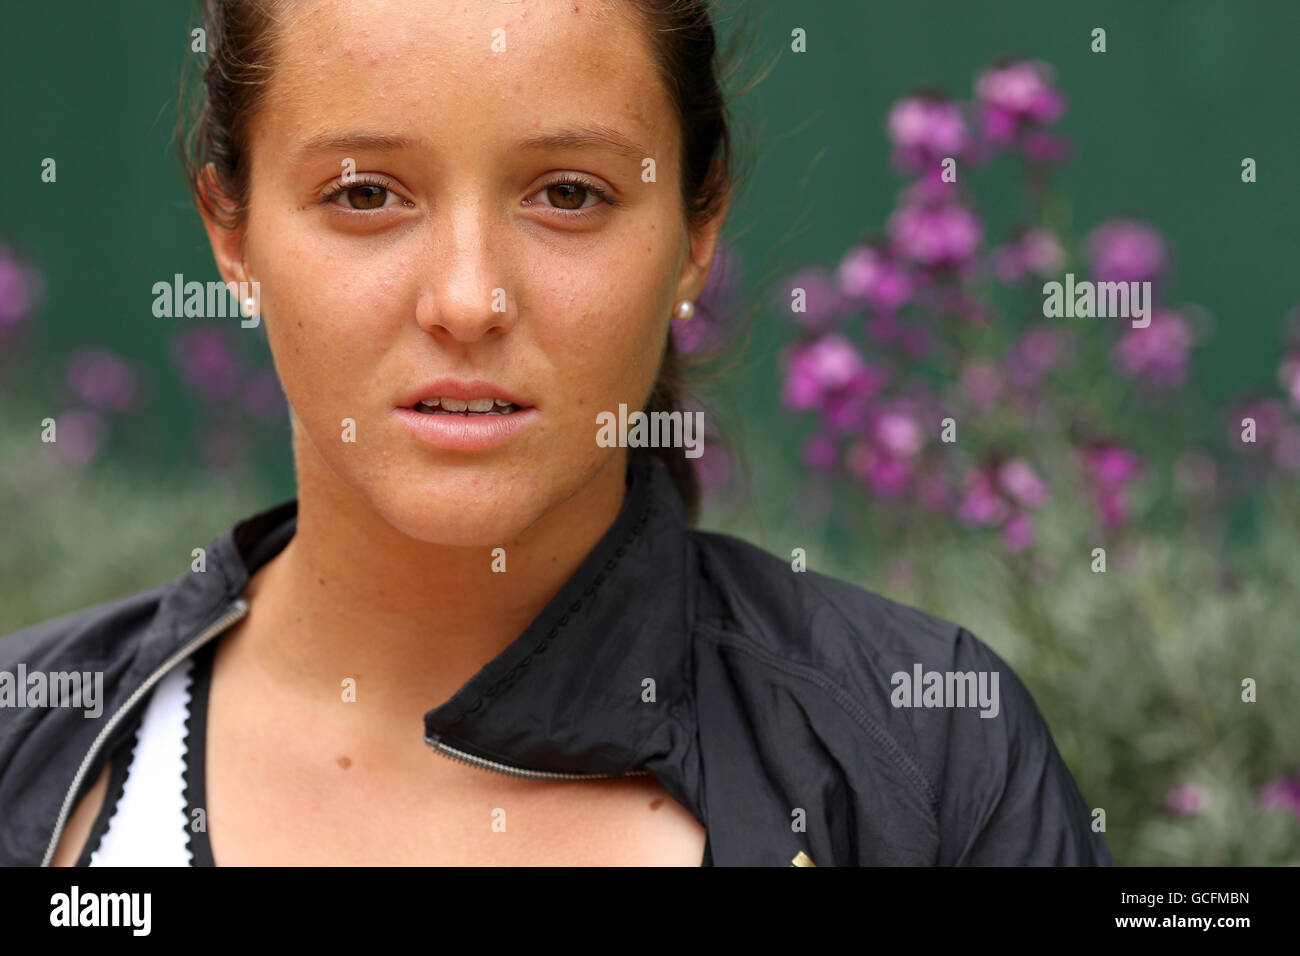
(455, 753)
(232, 614)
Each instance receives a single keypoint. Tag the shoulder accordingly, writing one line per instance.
(778, 608)
(91, 643)
(87, 635)
(57, 679)
(919, 692)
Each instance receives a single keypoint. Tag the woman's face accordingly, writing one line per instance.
(458, 263)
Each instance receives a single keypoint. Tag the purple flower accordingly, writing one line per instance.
(885, 328)
(1282, 794)
(21, 288)
(982, 383)
(207, 361)
(1042, 147)
(969, 308)
(101, 379)
(1019, 481)
(820, 453)
(896, 433)
(1269, 416)
(1286, 450)
(981, 504)
(829, 375)
(1016, 97)
(999, 493)
(821, 299)
(1035, 354)
(1036, 252)
(884, 474)
(1157, 354)
(873, 277)
(1187, 800)
(79, 435)
(1125, 250)
(885, 457)
(935, 232)
(1019, 532)
(934, 491)
(1110, 468)
(263, 397)
(926, 130)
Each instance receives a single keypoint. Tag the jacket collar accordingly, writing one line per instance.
(600, 682)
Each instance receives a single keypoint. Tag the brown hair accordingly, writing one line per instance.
(240, 40)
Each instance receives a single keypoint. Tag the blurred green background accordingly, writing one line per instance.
(1161, 122)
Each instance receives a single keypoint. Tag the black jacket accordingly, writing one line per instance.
(763, 698)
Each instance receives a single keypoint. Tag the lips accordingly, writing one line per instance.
(449, 396)
(465, 416)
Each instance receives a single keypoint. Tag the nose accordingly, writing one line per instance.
(466, 294)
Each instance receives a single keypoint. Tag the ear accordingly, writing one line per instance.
(226, 241)
(699, 262)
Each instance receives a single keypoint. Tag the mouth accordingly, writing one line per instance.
(476, 417)
(484, 407)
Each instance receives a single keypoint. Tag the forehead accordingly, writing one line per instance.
(458, 71)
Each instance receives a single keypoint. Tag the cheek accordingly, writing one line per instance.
(330, 316)
(600, 324)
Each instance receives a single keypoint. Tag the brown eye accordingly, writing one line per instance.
(365, 197)
(573, 197)
(562, 195)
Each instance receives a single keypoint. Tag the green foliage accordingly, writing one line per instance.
(72, 539)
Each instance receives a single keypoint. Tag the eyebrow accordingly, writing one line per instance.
(572, 137)
(585, 137)
(356, 142)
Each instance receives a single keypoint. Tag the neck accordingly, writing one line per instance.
(410, 621)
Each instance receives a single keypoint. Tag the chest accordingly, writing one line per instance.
(278, 796)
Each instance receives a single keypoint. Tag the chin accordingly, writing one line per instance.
(470, 509)
(490, 516)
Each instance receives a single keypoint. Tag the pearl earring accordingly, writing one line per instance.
(684, 310)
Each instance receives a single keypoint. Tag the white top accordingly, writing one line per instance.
(148, 827)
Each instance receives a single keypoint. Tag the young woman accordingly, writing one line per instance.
(481, 634)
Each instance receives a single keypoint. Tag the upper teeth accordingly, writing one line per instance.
(456, 405)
